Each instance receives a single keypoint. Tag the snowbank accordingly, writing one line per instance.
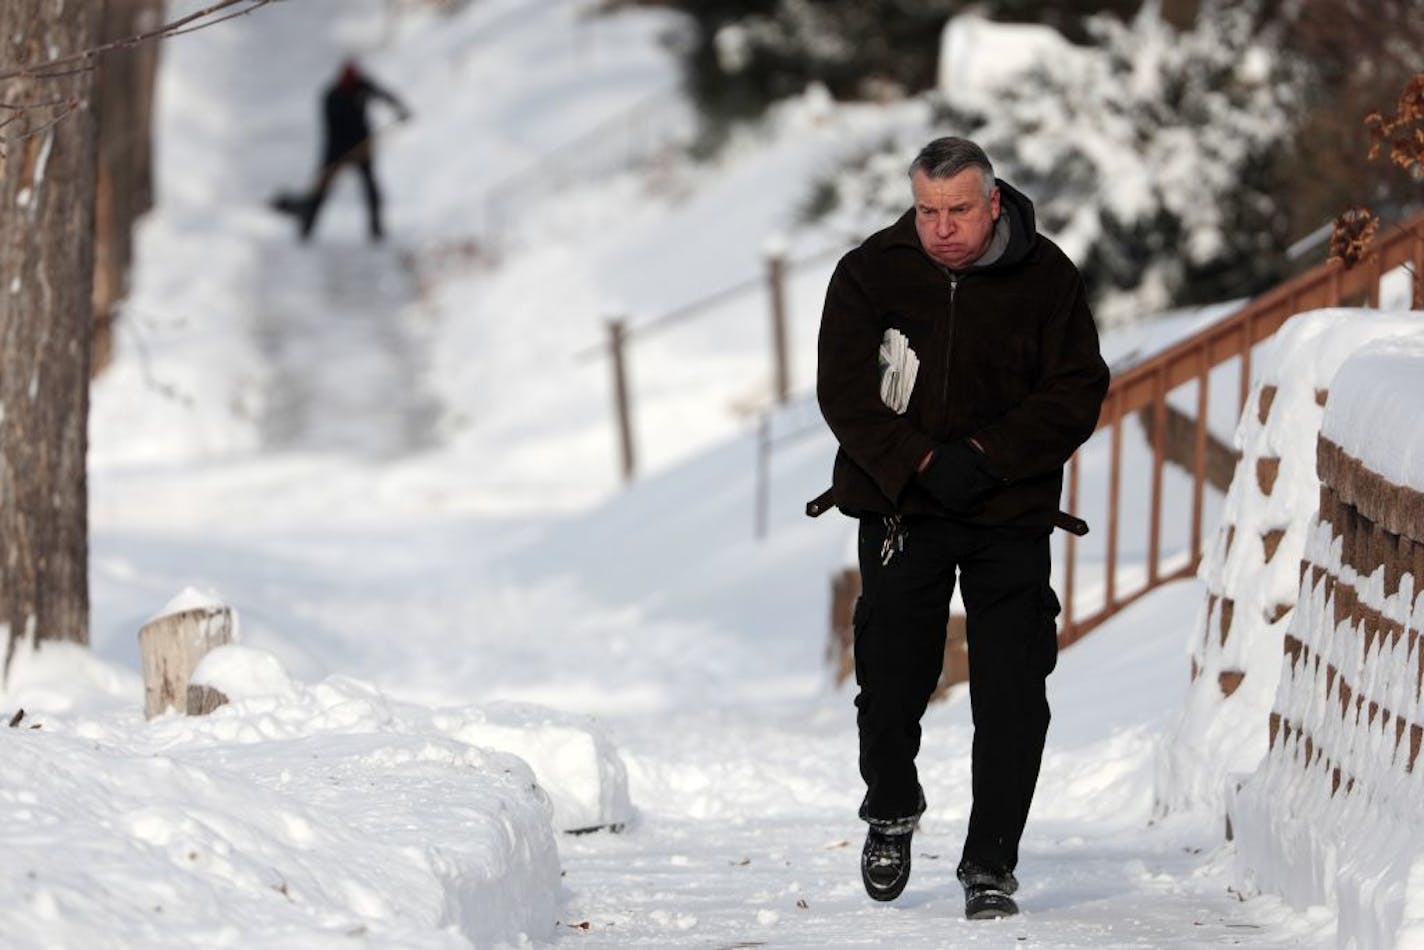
(1251, 570)
(298, 815)
(1331, 814)
(575, 761)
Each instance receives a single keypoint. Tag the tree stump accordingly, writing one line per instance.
(171, 647)
(204, 699)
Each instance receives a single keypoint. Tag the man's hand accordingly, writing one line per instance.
(959, 477)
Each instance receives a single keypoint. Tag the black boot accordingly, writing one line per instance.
(885, 862)
(987, 893)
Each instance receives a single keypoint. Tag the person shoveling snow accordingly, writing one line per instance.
(347, 141)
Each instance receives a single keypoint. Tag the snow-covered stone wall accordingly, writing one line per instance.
(1331, 814)
(1250, 570)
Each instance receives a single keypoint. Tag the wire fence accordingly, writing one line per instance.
(621, 332)
(799, 420)
(656, 128)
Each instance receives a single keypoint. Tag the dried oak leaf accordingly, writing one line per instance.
(1402, 130)
(1354, 233)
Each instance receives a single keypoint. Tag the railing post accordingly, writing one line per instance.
(1159, 454)
(1417, 298)
(1114, 500)
(617, 335)
(1199, 453)
(763, 474)
(1247, 343)
(776, 286)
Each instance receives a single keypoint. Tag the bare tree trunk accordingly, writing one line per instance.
(125, 189)
(47, 175)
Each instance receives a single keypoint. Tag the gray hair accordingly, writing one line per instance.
(948, 156)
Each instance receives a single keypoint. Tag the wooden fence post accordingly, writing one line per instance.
(1417, 291)
(763, 475)
(617, 334)
(171, 647)
(776, 285)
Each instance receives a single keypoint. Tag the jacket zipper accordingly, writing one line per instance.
(948, 350)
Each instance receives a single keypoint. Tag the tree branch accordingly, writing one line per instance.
(61, 73)
(222, 19)
(177, 27)
(69, 109)
(26, 106)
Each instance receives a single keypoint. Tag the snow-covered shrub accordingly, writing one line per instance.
(1149, 155)
(745, 55)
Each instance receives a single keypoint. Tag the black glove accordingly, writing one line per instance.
(959, 477)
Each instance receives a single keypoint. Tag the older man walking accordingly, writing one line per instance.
(959, 370)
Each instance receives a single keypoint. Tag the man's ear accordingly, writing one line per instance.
(994, 203)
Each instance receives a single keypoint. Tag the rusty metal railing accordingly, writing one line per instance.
(1146, 386)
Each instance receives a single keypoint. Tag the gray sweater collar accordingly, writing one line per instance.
(998, 244)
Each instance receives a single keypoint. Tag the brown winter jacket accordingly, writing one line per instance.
(1008, 354)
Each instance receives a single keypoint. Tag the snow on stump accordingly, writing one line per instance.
(237, 673)
(1331, 815)
(171, 646)
(1250, 571)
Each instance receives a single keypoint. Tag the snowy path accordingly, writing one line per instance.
(794, 882)
(741, 760)
(748, 835)
(347, 365)
(747, 802)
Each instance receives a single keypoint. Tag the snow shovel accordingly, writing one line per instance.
(296, 203)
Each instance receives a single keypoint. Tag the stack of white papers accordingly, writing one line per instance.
(898, 366)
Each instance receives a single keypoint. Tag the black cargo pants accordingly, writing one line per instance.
(900, 624)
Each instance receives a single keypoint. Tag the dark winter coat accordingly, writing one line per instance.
(1008, 354)
(344, 113)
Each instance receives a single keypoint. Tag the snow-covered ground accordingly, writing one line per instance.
(410, 497)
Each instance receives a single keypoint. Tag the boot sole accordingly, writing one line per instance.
(882, 893)
(992, 908)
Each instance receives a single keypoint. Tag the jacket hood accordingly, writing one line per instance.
(1023, 226)
(1014, 208)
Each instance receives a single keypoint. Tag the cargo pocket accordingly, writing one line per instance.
(860, 614)
(1045, 648)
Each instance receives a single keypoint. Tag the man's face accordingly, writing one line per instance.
(953, 218)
